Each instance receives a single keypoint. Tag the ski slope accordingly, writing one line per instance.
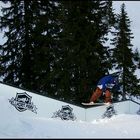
(14, 124)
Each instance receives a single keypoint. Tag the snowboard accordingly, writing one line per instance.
(95, 104)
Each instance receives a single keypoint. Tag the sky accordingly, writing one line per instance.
(133, 11)
(15, 124)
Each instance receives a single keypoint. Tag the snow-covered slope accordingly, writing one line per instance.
(15, 123)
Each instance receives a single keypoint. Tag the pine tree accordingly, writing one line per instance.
(28, 55)
(46, 52)
(84, 58)
(10, 51)
(123, 55)
(19, 20)
(56, 47)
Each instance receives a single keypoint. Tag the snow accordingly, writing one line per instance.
(13, 124)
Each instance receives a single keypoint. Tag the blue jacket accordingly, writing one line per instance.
(108, 80)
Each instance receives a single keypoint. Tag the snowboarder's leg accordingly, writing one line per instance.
(96, 94)
(108, 96)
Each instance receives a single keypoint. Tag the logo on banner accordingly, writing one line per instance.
(110, 111)
(65, 113)
(22, 102)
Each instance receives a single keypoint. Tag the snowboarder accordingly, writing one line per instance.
(104, 86)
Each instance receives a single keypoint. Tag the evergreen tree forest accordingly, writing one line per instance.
(57, 48)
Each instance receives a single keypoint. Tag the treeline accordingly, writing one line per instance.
(58, 48)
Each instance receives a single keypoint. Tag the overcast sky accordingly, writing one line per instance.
(133, 11)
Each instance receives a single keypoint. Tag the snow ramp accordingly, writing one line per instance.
(17, 102)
